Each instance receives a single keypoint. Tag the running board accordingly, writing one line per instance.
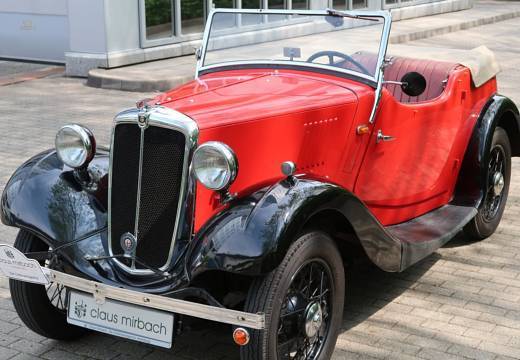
(421, 236)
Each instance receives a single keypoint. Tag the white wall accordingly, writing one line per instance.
(37, 7)
(34, 29)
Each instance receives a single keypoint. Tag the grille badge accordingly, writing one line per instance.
(142, 119)
(128, 243)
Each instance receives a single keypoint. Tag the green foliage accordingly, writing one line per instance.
(192, 9)
(158, 12)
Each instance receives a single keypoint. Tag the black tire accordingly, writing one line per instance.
(268, 295)
(32, 303)
(485, 223)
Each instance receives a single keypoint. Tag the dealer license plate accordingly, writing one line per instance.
(125, 320)
(15, 265)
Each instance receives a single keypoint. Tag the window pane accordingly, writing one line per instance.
(192, 15)
(300, 4)
(341, 44)
(251, 4)
(339, 4)
(359, 4)
(277, 4)
(158, 19)
(219, 4)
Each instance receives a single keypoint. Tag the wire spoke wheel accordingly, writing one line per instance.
(304, 318)
(56, 293)
(496, 177)
(495, 180)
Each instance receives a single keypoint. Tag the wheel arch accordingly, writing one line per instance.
(335, 224)
(498, 111)
(509, 121)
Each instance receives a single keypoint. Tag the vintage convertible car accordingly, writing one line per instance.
(239, 196)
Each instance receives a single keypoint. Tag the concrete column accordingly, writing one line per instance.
(88, 45)
(103, 33)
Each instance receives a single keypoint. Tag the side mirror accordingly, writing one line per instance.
(413, 84)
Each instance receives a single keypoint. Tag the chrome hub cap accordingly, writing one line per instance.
(498, 183)
(305, 317)
(313, 319)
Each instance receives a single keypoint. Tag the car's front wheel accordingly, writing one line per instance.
(302, 300)
(41, 308)
(498, 170)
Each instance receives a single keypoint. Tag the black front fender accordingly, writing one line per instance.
(44, 196)
(253, 235)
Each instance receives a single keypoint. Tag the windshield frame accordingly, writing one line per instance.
(371, 80)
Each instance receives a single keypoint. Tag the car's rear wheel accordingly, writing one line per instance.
(303, 303)
(41, 308)
(498, 170)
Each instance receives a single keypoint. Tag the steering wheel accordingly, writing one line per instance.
(345, 57)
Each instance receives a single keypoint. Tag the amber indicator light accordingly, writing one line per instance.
(241, 336)
(362, 130)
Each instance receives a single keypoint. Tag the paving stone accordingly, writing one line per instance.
(6, 340)
(61, 355)
(22, 356)
(483, 308)
(490, 336)
(399, 347)
(500, 349)
(25, 333)
(472, 324)
(470, 352)
(97, 352)
(7, 327)
(432, 354)
(442, 326)
(427, 342)
(30, 347)
(458, 311)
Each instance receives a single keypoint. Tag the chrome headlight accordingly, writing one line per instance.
(75, 145)
(215, 165)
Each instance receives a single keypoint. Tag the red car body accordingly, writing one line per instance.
(312, 119)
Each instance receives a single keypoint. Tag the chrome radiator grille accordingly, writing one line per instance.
(147, 180)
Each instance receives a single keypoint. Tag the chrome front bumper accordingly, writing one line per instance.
(101, 292)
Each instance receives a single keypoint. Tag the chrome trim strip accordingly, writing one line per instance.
(167, 118)
(377, 99)
(138, 197)
(102, 291)
(288, 63)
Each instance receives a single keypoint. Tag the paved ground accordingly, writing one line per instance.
(463, 302)
(8, 68)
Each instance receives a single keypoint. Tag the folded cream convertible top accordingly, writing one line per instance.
(481, 61)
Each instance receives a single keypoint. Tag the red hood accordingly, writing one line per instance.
(227, 97)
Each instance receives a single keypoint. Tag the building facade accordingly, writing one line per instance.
(87, 34)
